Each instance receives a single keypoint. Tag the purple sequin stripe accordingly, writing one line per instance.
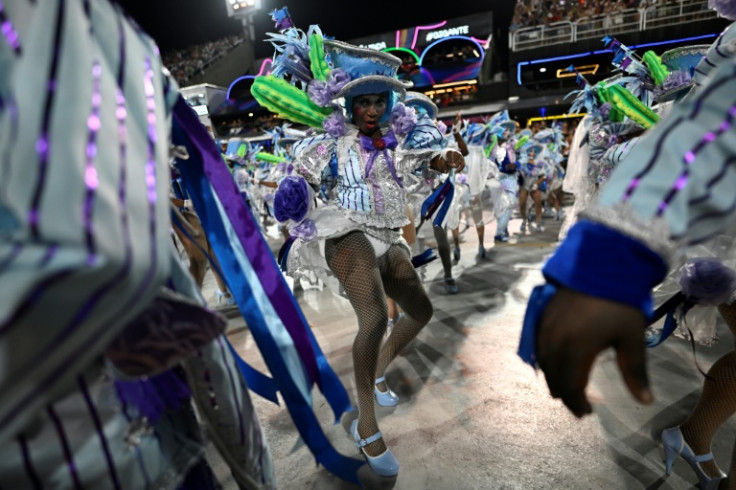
(28, 464)
(42, 143)
(47, 382)
(9, 32)
(716, 178)
(91, 178)
(49, 255)
(100, 431)
(658, 148)
(65, 446)
(689, 158)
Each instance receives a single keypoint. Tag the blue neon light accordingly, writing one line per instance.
(601, 51)
(230, 88)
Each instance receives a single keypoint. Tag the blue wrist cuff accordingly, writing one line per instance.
(599, 261)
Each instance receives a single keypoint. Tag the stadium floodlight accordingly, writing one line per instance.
(242, 8)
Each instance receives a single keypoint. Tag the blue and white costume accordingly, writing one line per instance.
(85, 117)
(368, 193)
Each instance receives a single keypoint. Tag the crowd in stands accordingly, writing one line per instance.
(530, 13)
(186, 63)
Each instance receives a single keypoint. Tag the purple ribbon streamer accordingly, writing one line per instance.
(251, 240)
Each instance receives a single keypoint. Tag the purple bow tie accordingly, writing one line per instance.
(374, 146)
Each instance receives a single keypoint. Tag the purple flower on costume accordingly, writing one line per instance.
(334, 124)
(441, 127)
(707, 281)
(604, 110)
(337, 79)
(674, 80)
(461, 178)
(726, 8)
(292, 199)
(319, 92)
(403, 119)
(306, 230)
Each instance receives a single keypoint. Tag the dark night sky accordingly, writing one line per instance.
(179, 23)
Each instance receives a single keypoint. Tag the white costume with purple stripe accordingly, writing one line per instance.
(680, 177)
(84, 248)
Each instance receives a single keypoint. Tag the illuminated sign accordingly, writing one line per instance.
(377, 46)
(452, 31)
(478, 26)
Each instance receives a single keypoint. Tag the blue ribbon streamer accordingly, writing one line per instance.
(537, 303)
(670, 325)
(215, 225)
(258, 382)
(439, 220)
(283, 257)
(442, 196)
(423, 258)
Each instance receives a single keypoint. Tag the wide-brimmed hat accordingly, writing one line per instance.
(532, 145)
(422, 103)
(500, 128)
(370, 71)
(476, 134)
(681, 62)
(684, 58)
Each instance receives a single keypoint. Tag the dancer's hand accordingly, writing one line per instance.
(448, 160)
(573, 330)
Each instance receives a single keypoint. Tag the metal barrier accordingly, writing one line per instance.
(629, 20)
(533, 37)
(660, 15)
(597, 26)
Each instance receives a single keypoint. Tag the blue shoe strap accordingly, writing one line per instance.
(368, 440)
(700, 458)
(381, 379)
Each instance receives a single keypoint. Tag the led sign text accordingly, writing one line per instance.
(452, 31)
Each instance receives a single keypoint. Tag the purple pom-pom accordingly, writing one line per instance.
(319, 92)
(337, 79)
(403, 119)
(292, 199)
(707, 281)
(726, 8)
(674, 80)
(306, 230)
(604, 110)
(334, 124)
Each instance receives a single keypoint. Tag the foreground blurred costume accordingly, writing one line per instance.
(356, 236)
(673, 189)
(104, 337)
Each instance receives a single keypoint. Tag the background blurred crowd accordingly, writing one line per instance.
(185, 63)
(531, 13)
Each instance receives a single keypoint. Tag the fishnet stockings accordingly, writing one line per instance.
(366, 281)
(717, 400)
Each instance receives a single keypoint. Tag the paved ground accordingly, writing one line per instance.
(472, 415)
